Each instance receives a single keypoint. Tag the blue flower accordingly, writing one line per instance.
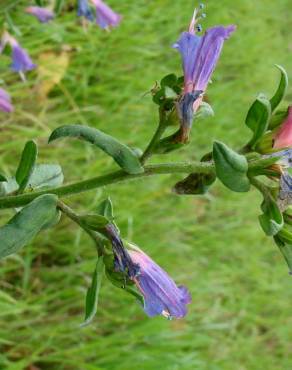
(199, 58)
(105, 16)
(5, 102)
(84, 10)
(21, 61)
(161, 295)
(44, 15)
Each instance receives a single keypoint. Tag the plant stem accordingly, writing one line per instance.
(111, 178)
(156, 137)
(260, 186)
(74, 217)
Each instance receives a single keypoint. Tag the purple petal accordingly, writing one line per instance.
(42, 14)
(206, 59)
(188, 45)
(200, 55)
(21, 61)
(84, 10)
(162, 296)
(105, 16)
(5, 102)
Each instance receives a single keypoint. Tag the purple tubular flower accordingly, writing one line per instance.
(161, 295)
(5, 102)
(44, 15)
(84, 10)
(200, 55)
(199, 58)
(21, 61)
(105, 16)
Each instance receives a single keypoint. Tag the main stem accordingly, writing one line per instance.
(13, 201)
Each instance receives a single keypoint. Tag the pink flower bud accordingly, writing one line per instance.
(283, 138)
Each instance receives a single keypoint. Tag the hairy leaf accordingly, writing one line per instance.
(26, 224)
(282, 88)
(93, 292)
(231, 168)
(258, 118)
(26, 165)
(122, 154)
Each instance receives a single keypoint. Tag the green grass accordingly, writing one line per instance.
(240, 317)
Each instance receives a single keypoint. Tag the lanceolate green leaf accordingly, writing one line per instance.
(258, 118)
(26, 224)
(26, 165)
(122, 154)
(282, 88)
(231, 168)
(93, 292)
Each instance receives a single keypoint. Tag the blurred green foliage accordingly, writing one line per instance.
(240, 317)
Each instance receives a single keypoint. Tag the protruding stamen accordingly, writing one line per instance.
(194, 26)
(193, 21)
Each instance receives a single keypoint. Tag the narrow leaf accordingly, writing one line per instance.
(282, 88)
(231, 168)
(26, 165)
(258, 118)
(93, 292)
(26, 224)
(122, 154)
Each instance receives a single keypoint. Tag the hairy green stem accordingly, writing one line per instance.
(260, 186)
(112, 178)
(74, 217)
(155, 139)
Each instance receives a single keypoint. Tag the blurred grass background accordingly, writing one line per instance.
(240, 317)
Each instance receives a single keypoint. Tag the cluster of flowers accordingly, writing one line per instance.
(21, 61)
(200, 54)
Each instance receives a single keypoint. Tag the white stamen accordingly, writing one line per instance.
(22, 76)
